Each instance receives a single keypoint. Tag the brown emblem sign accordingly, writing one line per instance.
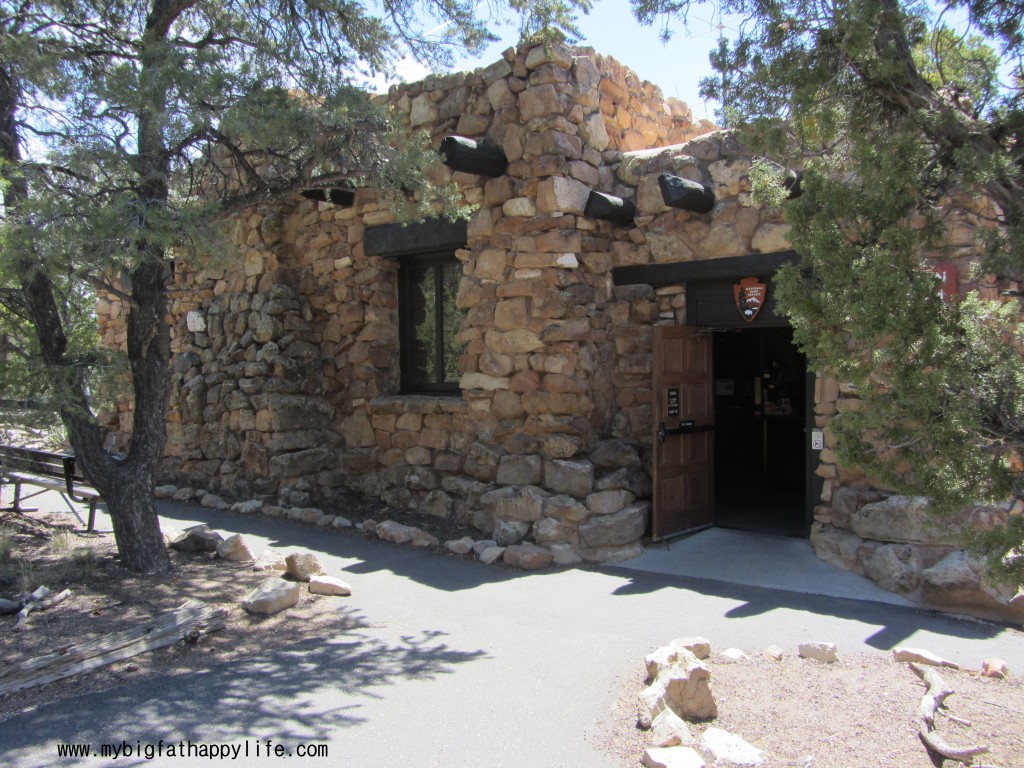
(750, 294)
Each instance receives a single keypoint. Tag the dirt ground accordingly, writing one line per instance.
(859, 712)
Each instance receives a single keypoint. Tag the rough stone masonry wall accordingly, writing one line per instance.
(285, 376)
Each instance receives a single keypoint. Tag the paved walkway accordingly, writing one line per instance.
(453, 663)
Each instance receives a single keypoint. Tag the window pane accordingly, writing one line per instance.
(421, 357)
(429, 322)
(452, 318)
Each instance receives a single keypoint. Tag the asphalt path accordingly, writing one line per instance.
(448, 662)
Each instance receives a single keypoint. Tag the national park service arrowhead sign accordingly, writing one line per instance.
(750, 294)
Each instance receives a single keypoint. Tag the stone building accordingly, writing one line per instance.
(512, 371)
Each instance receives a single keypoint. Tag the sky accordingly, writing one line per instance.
(676, 67)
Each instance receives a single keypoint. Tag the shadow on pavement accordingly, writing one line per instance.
(896, 623)
(289, 695)
(453, 574)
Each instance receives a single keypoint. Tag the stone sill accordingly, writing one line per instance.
(422, 404)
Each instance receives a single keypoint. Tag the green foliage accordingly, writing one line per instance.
(898, 124)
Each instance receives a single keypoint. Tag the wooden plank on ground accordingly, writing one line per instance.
(168, 629)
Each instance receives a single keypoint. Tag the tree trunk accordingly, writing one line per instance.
(129, 495)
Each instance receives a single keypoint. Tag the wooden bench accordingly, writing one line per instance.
(50, 472)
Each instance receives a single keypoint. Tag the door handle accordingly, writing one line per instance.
(684, 428)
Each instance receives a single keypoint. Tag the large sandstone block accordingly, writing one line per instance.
(848, 499)
(519, 470)
(235, 548)
(836, 547)
(956, 583)
(301, 463)
(297, 412)
(301, 566)
(572, 477)
(901, 519)
(396, 533)
(272, 596)
(549, 530)
(218, 443)
(507, 532)
(562, 194)
(892, 566)
(616, 529)
(524, 503)
(528, 557)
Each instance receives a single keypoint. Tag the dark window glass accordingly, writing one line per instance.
(429, 322)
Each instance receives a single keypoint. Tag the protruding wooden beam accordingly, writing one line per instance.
(462, 154)
(343, 197)
(678, 192)
(602, 206)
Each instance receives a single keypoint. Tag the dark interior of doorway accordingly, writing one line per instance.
(760, 418)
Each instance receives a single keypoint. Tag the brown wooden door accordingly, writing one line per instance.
(684, 437)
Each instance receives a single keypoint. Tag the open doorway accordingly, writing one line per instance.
(760, 403)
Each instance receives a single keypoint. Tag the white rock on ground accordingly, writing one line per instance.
(682, 687)
(250, 507)
(461, 546)
(774, 652)
(235, 548)
(564, 554)
(272, 596)
(669, 654)
(733, 655)
(672, 757)
(823, 652)
(483, 544)
(921, 656)
(698, 646)
(302, 565)
(527, 557)
(425, 540)
(270, 561)
(670, 730)
(491, 554)
(396, 533)
(341, 522)
(994, 667)
(329, 585)
(730, 749)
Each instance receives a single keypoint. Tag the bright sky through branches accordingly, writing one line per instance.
(676, 66)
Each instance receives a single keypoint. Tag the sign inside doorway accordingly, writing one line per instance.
(750, 294)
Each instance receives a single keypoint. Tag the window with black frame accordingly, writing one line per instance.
(429, 322)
